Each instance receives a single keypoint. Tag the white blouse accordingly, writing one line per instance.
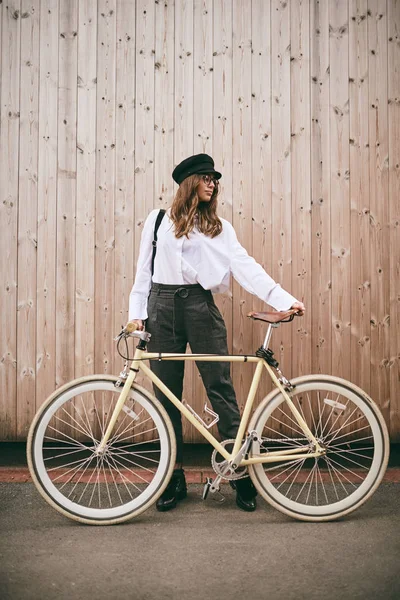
(199, 259)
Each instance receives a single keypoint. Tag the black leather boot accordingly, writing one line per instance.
(245, 494)
(176, 490)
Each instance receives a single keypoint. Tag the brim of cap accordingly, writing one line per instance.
(205, 171)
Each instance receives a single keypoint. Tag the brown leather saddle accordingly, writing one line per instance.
(274, 317)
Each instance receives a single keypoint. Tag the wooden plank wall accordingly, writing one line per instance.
(298, 102)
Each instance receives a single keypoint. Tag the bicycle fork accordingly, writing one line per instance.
(133, 370)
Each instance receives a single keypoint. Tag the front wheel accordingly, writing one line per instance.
(105, 488)
(347, 423)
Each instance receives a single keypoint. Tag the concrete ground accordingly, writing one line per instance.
(198, 551)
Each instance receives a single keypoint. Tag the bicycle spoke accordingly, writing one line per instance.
(280, 433)
(62, 455)
(122, 452)
(116, 463)
(87, 418)
(71, 443)
(337, 472)
(304, 484)
(117, 435)
(322, 484)
(311, 412)
(309, 488)
(293, 466)
(348, 434)
(132, 463)
(79, 480)
(330, 414)
(355, 462)
(353, 452)
(295, 473)
(368, 437)
(290, 419)
(319, 424)
(113, 478)
(142, 443)
(82, 429)
(139, 433)
(106, 482)
(345, 468)
(74, 469)
(66, 436)
(331, 477)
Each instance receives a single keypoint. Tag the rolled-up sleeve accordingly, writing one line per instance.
(254, 279)
(140, 291)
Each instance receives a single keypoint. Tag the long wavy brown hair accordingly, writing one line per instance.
(187, 205)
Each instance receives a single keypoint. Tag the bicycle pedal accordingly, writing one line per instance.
(206, 488)
(218, 497)
(210, 486)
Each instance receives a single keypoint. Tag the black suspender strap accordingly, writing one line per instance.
(156, 226)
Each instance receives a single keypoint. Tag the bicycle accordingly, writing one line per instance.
(101, 449)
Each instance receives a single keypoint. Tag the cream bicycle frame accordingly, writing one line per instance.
(138, 364)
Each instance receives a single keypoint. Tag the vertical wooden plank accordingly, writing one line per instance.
(105, 187)
(261, 158)
(242, 186)
(281, 167)
(86, 189)
(125, 160)
(144, 120)
(27, 216)
(301, 180)
(183, 135)
(222, 131)
(321, 288)
(202, 142)
(1, 47)
(164, 104)
(66, 193)
(394, 211)
(47, 201)
(340, 174)
(379, 215)
(203, 76)
(184, 66)
(9, 146)
(163, 112)
(144, 124)
(360, 289)
(222, 128)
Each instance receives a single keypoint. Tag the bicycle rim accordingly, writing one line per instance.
(107, 488)
(347, 423)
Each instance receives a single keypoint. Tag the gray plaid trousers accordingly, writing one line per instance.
(187, 314)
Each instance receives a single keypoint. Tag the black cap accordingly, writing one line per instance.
(195, 165)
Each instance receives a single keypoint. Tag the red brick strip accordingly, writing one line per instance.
(193, 475)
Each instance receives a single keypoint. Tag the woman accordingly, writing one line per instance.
(196, 252)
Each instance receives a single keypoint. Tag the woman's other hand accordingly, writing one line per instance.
(300, 307)
(138, 322)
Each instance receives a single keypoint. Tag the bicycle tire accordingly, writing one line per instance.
(356, 439)
(129, 478)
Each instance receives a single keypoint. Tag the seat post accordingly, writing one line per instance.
(269, 334)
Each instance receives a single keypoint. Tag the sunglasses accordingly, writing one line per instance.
(209, 179)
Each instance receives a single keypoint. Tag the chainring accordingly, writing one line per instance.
(218, 463)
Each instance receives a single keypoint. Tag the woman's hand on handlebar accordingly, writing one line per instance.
(299, 306)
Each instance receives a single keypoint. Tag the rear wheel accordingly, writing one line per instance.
(102, 488)
(350, 427)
